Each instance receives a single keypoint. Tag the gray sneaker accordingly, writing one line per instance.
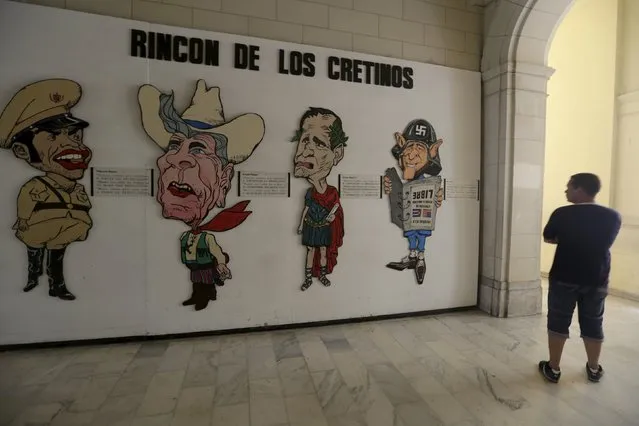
(594, 376)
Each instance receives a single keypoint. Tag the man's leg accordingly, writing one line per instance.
(55, 271)
(407, 262)
(420, 266)
(35, 257)
(591, 310)
(562, 299)
(308, 271)
(324, 270)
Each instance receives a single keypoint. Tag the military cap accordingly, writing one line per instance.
(45, 104)
(420, 131)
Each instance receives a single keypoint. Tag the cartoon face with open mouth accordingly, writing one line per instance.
(193, 179)
(62, 152)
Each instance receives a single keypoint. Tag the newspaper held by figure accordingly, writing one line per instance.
(412, 203)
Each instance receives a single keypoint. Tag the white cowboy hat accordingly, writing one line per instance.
(204, 115)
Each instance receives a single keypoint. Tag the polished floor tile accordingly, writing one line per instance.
(463, 369)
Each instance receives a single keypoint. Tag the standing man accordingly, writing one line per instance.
(53, 208)
(200, 149)
(320, 147)
(416, 150)
(583, 233)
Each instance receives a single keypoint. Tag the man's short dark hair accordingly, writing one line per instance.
(588, 182)
(336, 131)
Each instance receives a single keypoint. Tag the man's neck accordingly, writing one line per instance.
(585, 201)
(320, 185)
(65, 183)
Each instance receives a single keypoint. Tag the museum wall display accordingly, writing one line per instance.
(159, 180)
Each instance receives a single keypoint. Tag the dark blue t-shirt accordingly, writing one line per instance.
(584, 234)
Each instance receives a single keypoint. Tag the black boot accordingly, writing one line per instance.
(191, 300)
(201, 296)
(212, 292)
(55, 266)
(36, 260)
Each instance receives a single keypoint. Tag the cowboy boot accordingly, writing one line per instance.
(212, 292)
(202, 296)
(36, 260)
(191, 300)
(55, 266)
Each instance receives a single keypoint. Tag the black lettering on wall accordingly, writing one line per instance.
(241, 56)
(408, 78)
(346, 69)
(385, 75)
(163, 51)
(254, 56)
(196, 51)
(296, 65)
(281, 64)
(246, 57)
(138, 43)
(309, 64)
(177, 48)
(357, 71)
(396, 76)
(211, 52)
(178, 43)
(369, 66)
(333, 61)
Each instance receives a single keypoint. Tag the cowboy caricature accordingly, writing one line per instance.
(53, 208)
(200, 149)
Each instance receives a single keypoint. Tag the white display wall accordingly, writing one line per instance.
(128, 277)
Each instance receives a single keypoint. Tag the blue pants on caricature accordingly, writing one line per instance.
(417, 239)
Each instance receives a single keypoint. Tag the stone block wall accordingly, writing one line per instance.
(444, 32)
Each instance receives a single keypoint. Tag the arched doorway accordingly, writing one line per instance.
(515, 76)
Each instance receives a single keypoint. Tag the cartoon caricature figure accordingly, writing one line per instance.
(200, 149)
(53, 208)
(417, 151)
(320, 142)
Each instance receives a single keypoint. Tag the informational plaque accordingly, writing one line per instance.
(261, 184)
(121, 182)
(360, 186)
(468, 189)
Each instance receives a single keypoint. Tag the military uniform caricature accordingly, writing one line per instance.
(416, 150)
(53, 208)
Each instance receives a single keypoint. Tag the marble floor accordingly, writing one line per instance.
(460, 369)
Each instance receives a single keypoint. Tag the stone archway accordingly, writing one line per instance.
(515, 76)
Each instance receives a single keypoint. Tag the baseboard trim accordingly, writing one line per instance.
(313, 324)
(623, 294)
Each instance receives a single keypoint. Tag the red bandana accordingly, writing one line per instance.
(226, 219)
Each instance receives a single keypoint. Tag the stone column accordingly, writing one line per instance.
(514, 104)
(625, 197)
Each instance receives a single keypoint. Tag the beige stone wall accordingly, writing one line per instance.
(445, 32)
